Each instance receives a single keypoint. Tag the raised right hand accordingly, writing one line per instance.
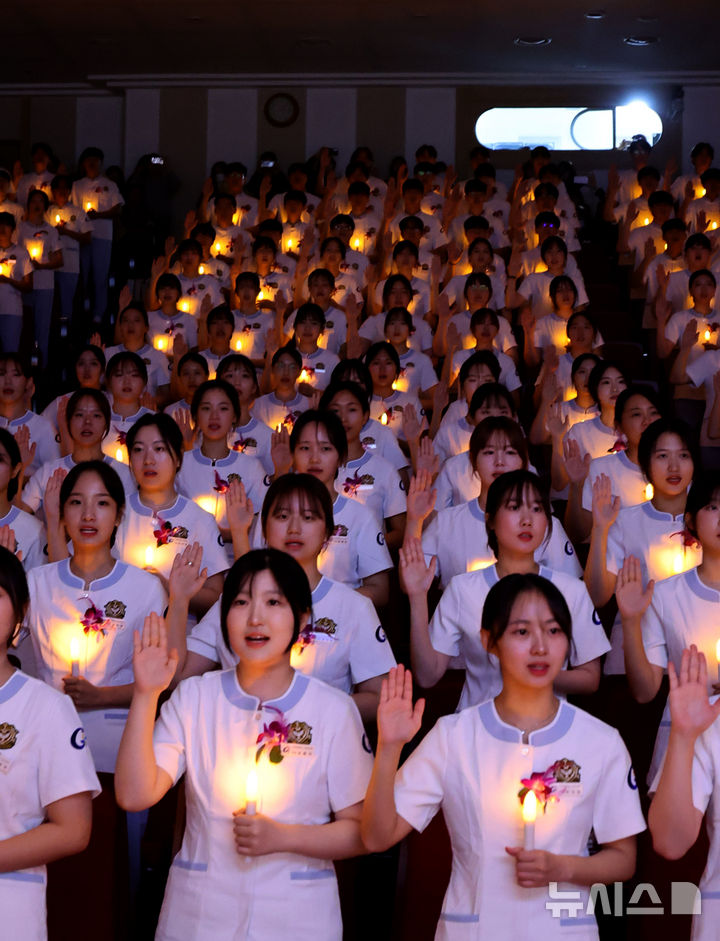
(690, 709)
(153, 665)
(398, 720)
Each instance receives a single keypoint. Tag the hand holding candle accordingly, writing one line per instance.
(74, 657)
(251, 793)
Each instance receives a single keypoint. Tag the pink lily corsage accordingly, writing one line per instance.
(620, 445)
(352, 484)
(272, 737)
(121, 435)
(220, 485)
(164, 532)
(94, 621)
(306, 637)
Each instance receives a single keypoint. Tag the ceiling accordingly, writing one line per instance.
(51, 42)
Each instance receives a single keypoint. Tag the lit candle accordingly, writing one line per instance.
(304, 376)
(118, 454)
(251, 793)
(678, 562)
(646, 220)
(384, 418)
(649, 492)
(238, 344)
(529, 815)
(395, 385)
(717, 657)
(261, 295)
(209, 504)
(216, 248)
(289, 246)
(89, 206)
(714, 225)
(74, 657)
(706, 336)
(356, 244)
(149, 554)
(201, 269)
(35, 251)
(57, 218)
(5, 268)
(236, 217)
(702, 192)
(161, 343)
(184, 306)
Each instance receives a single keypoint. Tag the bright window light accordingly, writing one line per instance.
(567, 128)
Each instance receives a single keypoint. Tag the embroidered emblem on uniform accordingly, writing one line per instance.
(340, 530)
(244, 444)
(116, 610)
(352, 485)
(299, 733)
(325, 626)
(8, 735)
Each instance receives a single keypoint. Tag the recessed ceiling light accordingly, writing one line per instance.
(532, 41)
(641, 40)
(646, 19)
(595, 15)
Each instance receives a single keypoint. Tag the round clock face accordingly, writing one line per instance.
(281, 109)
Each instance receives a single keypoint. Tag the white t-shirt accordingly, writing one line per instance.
(153, 539)
(532, 263)
(420, 302)
(508, 370)
(33, 495)
(209, 731)
(43, 240)
(100, 195)
(593, 437)
(75, 220)
(536, 290)
(272, 412)
(708, 328)
(455, 287)
(701, 371)
(251, 331)
(205, 481)
(357, 547)
(457, 482)
(638, 237)
(29, 536)
(45, 759)
(194, 292)
(42, 434)
(14, 263)
(453, 435)
(245, 215)
(551, 330)
(374, 482)
(504, 341)
(318, 367)
(626, 479)
(391, 409)
(455, 628)
(374, 330)
(253, 439)
(346, 644)
(472, 765)
(33, 181)
(102, 618)
(334, 333)
(458, 538)
(417, 373)
(379, 439)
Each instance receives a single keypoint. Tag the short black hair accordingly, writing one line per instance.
(123, 358)
(705, 489)
(382, 347)
(503, 595)
(512, 486)
(98, 397)
(287, 573)
(332, 425)
(222, 386)
(109, 476)
(310, 488)
(169, 432)
(647, 392)
(490, 392)
(596, 375)
(480, 358)
(649, 439)
(345, 385)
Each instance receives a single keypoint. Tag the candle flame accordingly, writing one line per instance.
(356, 244)
(161, 343)
(678, 563)
(649, 492)
(714, 225)
(261, 295)
(35, 251)
(238, 345)
(74, 648)
(706, 336)
(119, 454)
(88, 206)
(529, 807)
(57, 217)
(289, 246)
(717, 651)
(184, 306)
(216, 247)
(149, 553)
(702, 192)
(201, 269)
(236, 216)
(384, 418)
(304, 376)
(646, 221)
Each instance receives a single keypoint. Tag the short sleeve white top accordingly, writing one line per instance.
(374, 482)
(42, 434)
(100, 195)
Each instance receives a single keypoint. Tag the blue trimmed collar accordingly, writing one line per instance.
(98, 584)
(238, 697)
(649, 510)
(359, 462)
(475, 510)
(548, 735)
(323, 587)
(200, 458)
(12, 686)
(698, 587)
(169, 511)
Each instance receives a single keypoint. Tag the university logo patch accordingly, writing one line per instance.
(8, 735)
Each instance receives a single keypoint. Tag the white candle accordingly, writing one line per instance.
(119, 454)
(74, 657)
(529, 815)
(649, 492)
(216, 248)
(184, 306)
(251, 793)
(149, 554)
(717, 657)
(89, 206)
(238, 345)
(161, 343)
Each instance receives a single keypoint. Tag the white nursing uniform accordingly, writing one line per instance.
(626, 479)
(455, 628)
(33, 494)
(44, 758)
(272, 412)
(374, 482)
(29, 536)
(379, 439)
(208, 731)
(457, 482)
(471, 766)
(345, 645)
(113, 444)
(59, 602)
(357, 547)
(457, 536)
(253, 439)
(158, 369)
(42, 434)
(206, 481)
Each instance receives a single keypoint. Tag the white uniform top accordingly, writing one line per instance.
(42, 434)
(44, 759)
(575, 413)
(253, 439)
(392, 409)
(551, 330)
(711, 210)
(457, 536)
(679, 184)
(453, 435)
(357, 547)
(701, 371)
(455, 628)
(706, 798)
(208, 731)
(318, 367)
(419, 303)
(34, 494)
(29, 536)
(638, 237)
(75, 220)
(206, 481)
(355, 264)
(678, 291)
(334, 333)
(273, 282)
(272, 412)
(33, 181)
(455, 287)
(472, 766)
(707, 327)
(417, 373)
(225, 240)
(374, 482)
(15, 263)
(656, 539)
(508, 370)
(103, 194)
(593, 437)
(373, 329)
(345, 645)
(145, 538)
(457, 482)
(670, 266)
(626, 479)
(44, 238)
(536, 289)
(113, 444)
(379, 439)
(158, 369)
(432, 236)
(60, 603)
(532, 263)
(245, 215)
(250, 332)
(7, 205)
(195, 290)
(170, 327)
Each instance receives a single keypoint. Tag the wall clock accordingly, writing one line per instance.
(281, 109)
